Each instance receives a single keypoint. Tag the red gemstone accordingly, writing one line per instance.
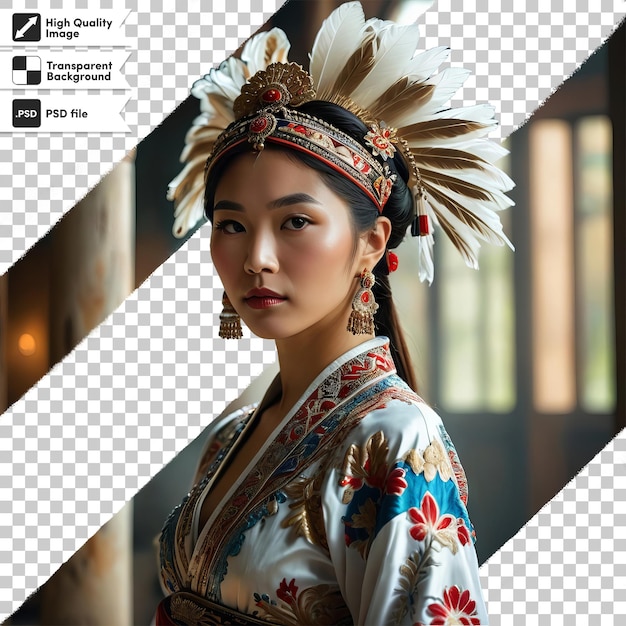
(271, 95)
(392, 261)
(365, 297)
(258, 125)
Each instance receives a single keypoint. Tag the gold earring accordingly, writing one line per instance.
(230, 322)
(364, 306)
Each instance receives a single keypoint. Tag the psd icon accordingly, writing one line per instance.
(26, 27)
(26, 70)
(26, 113)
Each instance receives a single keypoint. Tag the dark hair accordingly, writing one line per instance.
(398, 208)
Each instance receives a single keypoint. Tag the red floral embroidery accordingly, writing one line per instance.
(459, 472)
(462, 531)
(287, 592)
(427, 519)
(354, 482)
(457, 608)
(396, 483)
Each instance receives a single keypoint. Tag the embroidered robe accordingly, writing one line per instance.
(353, 511)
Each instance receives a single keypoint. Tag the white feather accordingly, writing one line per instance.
(336, 41)
(217, 92)
(488, 177)
(480, 114)
(395, 48)
(227, 81)
(482, 210)
(256, 49)
(426, 267)
(423, 65)
(490, 151)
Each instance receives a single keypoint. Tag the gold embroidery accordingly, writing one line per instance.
(192, 610)
(371, 367)
(366, 519)
(366, 464)
(272, 507)
(436, 460)
(321, 604)
(409, 578)
(186, 611)
(308, 518)
(227, 437)
(415, 461)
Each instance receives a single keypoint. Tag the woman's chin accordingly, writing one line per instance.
(265, 331)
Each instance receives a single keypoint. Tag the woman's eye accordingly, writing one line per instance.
(230, 226)
(296, 223)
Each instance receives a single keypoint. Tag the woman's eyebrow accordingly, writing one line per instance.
(228, 205)
(293, 198)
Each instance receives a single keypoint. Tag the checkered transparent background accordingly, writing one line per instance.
(170, 47)
(518, 57)
(106, 419)
(567, 566)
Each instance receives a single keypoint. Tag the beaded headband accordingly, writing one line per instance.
(371, 69)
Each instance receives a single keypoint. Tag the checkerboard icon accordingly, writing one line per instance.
(26, 70)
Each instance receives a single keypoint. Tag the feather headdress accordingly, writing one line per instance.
(371, 68)
(217, 91)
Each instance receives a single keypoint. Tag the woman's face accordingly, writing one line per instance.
(283, 245)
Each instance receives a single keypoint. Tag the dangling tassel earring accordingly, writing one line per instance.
(361, 320)
(230, 322)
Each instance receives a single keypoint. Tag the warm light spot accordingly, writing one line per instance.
(551, 209)
(26, 344)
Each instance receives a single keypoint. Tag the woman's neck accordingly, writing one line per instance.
(301, 359)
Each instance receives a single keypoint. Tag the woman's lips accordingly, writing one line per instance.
(261, 298)
(263, 302)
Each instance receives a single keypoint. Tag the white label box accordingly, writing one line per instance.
(76, 28)
(67, 69)
(63, 113)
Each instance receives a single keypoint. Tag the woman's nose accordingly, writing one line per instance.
(261, 255)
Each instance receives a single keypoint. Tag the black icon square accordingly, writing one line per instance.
(26, 113)
(26, 27)
(26, 70)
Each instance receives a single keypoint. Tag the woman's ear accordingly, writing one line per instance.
(375, 241)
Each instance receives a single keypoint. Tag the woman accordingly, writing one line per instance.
(339, 499)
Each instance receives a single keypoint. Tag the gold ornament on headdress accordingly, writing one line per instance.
(370, 68)
(381, 139)
(281, 84)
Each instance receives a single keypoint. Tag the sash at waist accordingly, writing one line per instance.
(188, 609)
